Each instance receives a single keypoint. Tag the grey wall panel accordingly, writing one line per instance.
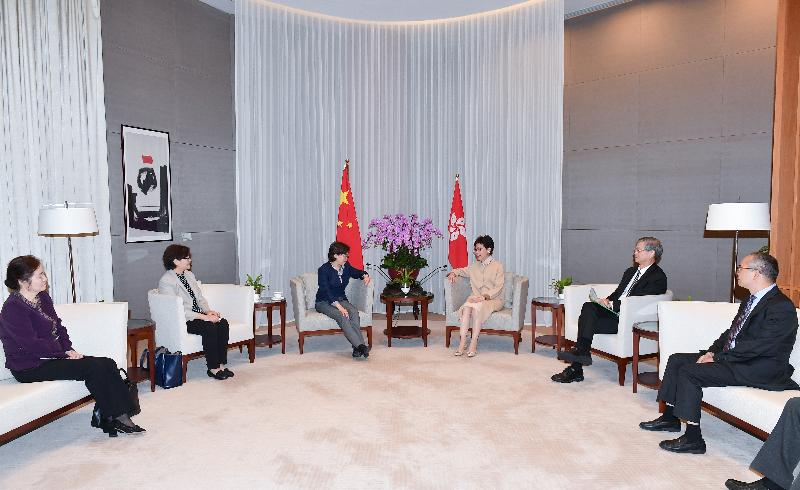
(168, 67)
(144, 27)
(681, 102)
(705, 71)
(605, 44)
(746, 165)
(204, 110)
(604, 112)
(678, 32)
(600, 188)
(750, 24)
(139, 91)
(749, 92)
(203, 188)
(676, 181)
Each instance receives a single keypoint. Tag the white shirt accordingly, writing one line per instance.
(630, 283)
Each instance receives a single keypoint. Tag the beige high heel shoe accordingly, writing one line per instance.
(460, 351)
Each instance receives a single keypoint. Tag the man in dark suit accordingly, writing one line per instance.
(779, 456)
(643, 279)
(754, 351)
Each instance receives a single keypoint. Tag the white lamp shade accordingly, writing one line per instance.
(67, 221)
(738, 216)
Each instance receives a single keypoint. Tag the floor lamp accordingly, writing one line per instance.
(736, 217)
(68, 220)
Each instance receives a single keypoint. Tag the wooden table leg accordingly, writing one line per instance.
(282, 310)
(635, 360)
(151, 359)
(134, 348)
(558, 324)
(269, 325)
(533, 327)
(425, 323)
(389, 311)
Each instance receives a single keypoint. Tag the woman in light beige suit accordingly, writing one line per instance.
(486, 277)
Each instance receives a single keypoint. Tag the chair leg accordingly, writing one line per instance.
(300, 341)
(185, 362)
(251, 350)
(369, 336)
(240, 349)
(516, 343)
(622, 366)
(447, 333)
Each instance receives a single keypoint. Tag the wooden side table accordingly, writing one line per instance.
(407, 331)
(140, 329)
(556, 307)
(647, 330)
(269, 340)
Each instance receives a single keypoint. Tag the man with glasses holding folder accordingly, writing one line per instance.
(601, 315)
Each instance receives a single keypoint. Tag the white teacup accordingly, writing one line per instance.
(277, 295)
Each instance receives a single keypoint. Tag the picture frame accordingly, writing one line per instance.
(147, 185)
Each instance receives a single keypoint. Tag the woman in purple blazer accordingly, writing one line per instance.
(38, 348)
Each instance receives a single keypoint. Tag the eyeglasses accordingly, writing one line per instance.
(186, 258)
(739, 267)
(640, 250)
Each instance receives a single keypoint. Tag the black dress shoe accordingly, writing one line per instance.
(575, 355)
(662, 424)
(218, 375)
(118, 426)
(228, 373)
(740, 485)
(357, 351)
(364, 350)
(568, 375)
(684, 445)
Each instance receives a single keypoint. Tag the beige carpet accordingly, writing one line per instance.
(409, 417)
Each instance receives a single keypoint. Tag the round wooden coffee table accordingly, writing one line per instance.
(556, 307)
(269, 340)
(407, 331)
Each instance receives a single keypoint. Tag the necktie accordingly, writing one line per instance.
(738, 323)
(635, 280)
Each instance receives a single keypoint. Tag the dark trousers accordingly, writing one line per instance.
(684, 381)
(780, 454)
(594, 319)
(215, 340)
(100, 374)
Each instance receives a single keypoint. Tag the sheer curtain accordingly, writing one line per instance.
(53, 137)
(410, 104)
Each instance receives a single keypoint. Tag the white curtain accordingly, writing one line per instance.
(410, 104)
(53, 137)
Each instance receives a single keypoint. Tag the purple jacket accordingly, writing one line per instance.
(27, 335)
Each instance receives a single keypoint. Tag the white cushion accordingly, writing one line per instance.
(21, 403)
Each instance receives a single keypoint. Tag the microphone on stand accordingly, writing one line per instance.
(377, 268)
(432, 273)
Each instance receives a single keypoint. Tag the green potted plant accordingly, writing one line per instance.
(255, 283)
(558, 285)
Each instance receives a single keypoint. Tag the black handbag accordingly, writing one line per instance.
(169, 369)
(133, 395)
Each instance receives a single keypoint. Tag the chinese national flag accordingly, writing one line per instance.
(457, 254)
(347, 224)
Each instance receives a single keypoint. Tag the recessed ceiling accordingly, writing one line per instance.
(392, 10)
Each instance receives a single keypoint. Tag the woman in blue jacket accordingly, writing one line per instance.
(333, 277)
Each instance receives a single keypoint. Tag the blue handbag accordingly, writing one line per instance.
(169, 369)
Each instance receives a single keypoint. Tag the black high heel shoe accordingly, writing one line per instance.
(228, 373)
(218, 375)
(119, 426)
(106, 425)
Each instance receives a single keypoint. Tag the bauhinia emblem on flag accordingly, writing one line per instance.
(347, 224)
(456, 229)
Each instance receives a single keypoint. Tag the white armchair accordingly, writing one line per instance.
(234, 302)
(692, 326)
(310, 322)
(616, 347)
(508, 321)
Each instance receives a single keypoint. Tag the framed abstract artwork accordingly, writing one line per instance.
(147, 185)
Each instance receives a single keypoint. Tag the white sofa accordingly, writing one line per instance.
(691, 326)
(616, 347)
(96, 329)
(234, 302)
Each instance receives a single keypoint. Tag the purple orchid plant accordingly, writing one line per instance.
(403, 237)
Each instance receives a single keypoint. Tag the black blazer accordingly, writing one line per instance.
(760, 357)
(653, 281)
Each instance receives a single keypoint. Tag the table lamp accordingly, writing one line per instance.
(736, 217)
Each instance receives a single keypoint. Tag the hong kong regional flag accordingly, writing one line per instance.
(347, 224)
(457, 255)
